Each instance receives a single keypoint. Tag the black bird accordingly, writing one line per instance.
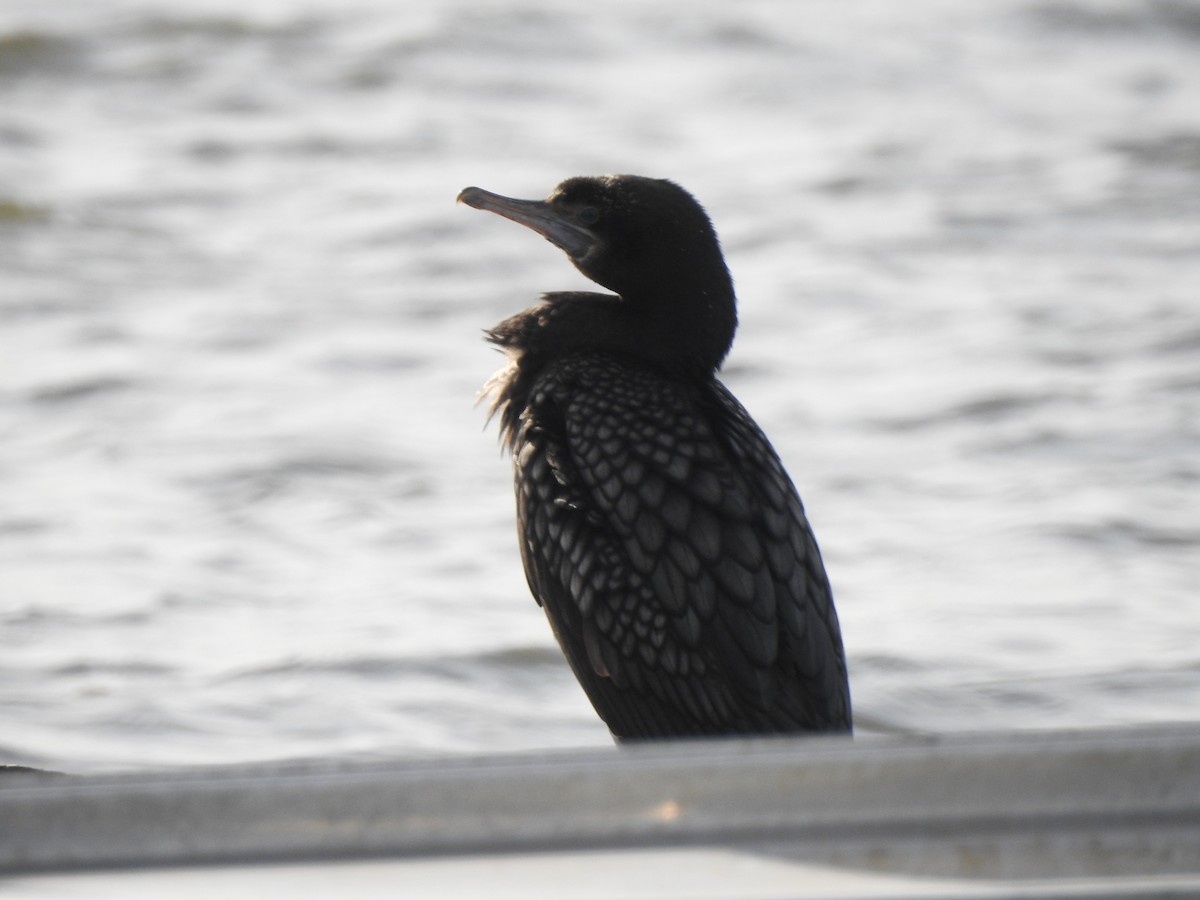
(658, 528)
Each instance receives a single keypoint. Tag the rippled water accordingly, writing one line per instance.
(247, 507)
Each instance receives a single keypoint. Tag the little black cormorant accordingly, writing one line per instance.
(658, 528)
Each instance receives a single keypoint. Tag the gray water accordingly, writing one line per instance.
(249, 511)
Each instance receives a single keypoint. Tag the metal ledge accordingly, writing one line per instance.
(1107, 805)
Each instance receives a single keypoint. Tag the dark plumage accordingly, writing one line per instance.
(658, 528)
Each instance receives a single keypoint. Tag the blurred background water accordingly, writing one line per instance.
(248, 510)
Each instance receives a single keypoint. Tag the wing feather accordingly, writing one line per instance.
(673, 557)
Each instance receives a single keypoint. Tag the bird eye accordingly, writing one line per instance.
(589, 215)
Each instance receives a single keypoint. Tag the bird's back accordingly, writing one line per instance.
(672, 554)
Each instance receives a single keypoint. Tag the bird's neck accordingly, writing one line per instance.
(682, 339)
(688, 336)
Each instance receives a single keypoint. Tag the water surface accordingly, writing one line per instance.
(248, 509)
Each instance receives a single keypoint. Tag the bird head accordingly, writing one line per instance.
(647, 240)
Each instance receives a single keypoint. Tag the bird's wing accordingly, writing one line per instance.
(677, 542)
(812, 659)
